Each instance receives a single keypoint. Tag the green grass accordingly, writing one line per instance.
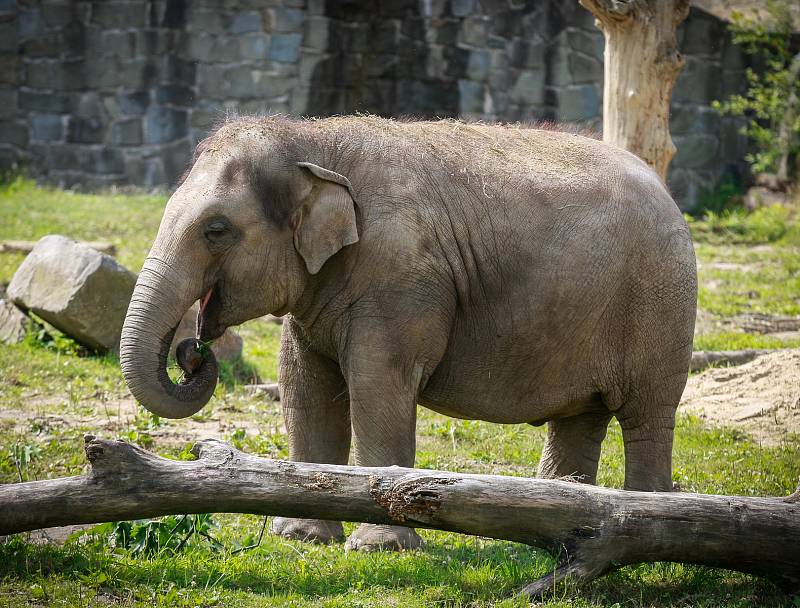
(749, 263)
(28, 212)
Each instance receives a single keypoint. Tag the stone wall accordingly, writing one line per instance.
(114, 92)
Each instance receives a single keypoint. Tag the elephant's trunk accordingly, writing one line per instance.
(160, 299)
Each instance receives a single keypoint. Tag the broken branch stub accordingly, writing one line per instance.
(593, 530)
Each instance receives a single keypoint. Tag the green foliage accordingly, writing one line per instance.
(734, 340)
(765, 103)
(151, 537)
(725, 197)
(739, 226)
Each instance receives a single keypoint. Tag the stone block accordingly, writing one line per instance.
(386, 37)
(49, 44)
(36, 101)
(57, 14)
(119, 44)
(127, 132)
(703, 34)
(254, 47)
(246, 22)
(84, 130)
(228, 347)
(29, 23)
(578, 103)
(478, 64)
(695, 151)
(693, 119)
(78, 290)
(175, 70)
(46, 127)
(8, 37)
(201, 45)
(211, 81)
(174, 159)
(39, 74)
(63, 157)
(14, 133)
(475, 31)
(119, 14)
(316, 33)
(528, 87)
(585, 69)
(285, 48)
(446, 31)
(155, 41)
(8, 103)
(174, 94)
(9, 157)
(14, 323)
(138, 73)
(104, 73)
(209, 21)
(163, 125)
(528, 53)
(133, 103)
(101, 161)
(88, 105)
(698, 82)
(471, 97)
(69, 75)
(462, 8)
(589, 43)
(8, 70)
(287, 19)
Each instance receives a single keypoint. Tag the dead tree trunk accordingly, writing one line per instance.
(642, 63)
(592, 530)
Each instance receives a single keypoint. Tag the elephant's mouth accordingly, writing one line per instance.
(208, 325)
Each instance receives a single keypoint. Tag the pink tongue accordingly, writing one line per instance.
(204, 301)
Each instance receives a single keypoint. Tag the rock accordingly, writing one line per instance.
(269, 390)
(13, 323)
(758, 196)
(228, 347)
(76, 289)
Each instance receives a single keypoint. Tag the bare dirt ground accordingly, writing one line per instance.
(762, 397)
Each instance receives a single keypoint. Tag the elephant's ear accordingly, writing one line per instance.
(326, 221)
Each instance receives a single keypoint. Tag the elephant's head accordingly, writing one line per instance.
(243, 234)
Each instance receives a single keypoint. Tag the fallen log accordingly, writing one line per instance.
(591, 530)
(27, 247)
(702, 359)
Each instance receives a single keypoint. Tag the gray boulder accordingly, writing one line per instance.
(75, 288)
(85, 294)
(13, 323)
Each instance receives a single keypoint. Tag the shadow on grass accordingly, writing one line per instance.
(459, 568)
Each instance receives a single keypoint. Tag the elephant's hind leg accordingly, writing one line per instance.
(648, 427)
(572, 448)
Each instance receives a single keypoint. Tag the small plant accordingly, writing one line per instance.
(771, 103)
(151, 537)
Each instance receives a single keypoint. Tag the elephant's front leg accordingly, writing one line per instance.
(316, 412)
(383, 398)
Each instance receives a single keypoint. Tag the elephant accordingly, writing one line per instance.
(510, 274)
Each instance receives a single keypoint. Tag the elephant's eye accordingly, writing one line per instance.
(217, 231)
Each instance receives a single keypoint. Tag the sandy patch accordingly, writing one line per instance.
(761, 397)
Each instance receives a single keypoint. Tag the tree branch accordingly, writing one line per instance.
(592, 529)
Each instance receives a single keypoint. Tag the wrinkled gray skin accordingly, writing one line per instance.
(500, 274)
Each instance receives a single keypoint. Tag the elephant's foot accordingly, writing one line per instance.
(312, 530)
(371, 537)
